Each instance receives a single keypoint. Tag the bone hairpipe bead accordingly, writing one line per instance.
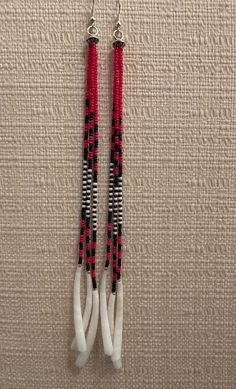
(117, 342)
(78, 321)
(106, 333)
(87, 310)
(111, 312)
(92, 330)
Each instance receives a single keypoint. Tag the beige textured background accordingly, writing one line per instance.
(179, 254)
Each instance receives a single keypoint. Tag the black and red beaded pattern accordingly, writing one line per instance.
(120, 184)
(90, 155)
(95, 170)
(90, 167)
(114, 222)
(80, 252)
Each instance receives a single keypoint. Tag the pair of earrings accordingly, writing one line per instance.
(111, 312)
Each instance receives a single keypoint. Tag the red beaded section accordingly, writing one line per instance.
(114, 221)
(88, 222)
(120, 201)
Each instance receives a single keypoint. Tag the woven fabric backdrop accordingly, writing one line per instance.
(179, 191)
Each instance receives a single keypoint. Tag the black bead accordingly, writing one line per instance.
(92, 39)
(94, 283)
(87, 267)
(113, 287)
(118, 43)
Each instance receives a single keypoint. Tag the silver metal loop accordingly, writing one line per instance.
(92, 30)
(118, 35)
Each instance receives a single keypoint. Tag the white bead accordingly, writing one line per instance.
(116, 355)
(79, 331)
(83, 357)
(106, 333)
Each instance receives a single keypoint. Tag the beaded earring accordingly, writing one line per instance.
(88, 226)
(112, 313)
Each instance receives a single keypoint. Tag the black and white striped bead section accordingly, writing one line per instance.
(110, 211)
(88, 205)
(115, 214)
(94, 205)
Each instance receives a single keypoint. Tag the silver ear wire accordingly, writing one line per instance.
(119, 9)
(92, 11)
(92, 30)
(118, 33)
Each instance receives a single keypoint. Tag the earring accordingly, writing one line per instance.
(111, 319)
(88, 230)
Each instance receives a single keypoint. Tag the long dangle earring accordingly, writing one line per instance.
(88, 322)
(112, 313)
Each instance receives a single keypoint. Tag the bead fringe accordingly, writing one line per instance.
(111, 318)
(88, 221)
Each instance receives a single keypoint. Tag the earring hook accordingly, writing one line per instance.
(118, 33)
(92, 11)
(92, 30)
(119, 11)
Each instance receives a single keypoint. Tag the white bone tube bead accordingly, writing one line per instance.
(78, 321)
(92, 330)
(74, 344)
(87, 310)
(117, 364)
(88, 304)
(111, 312)
(117, 341)
(106, 333)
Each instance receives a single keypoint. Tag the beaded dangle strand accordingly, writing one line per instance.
(111, 321)
(88, 230)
